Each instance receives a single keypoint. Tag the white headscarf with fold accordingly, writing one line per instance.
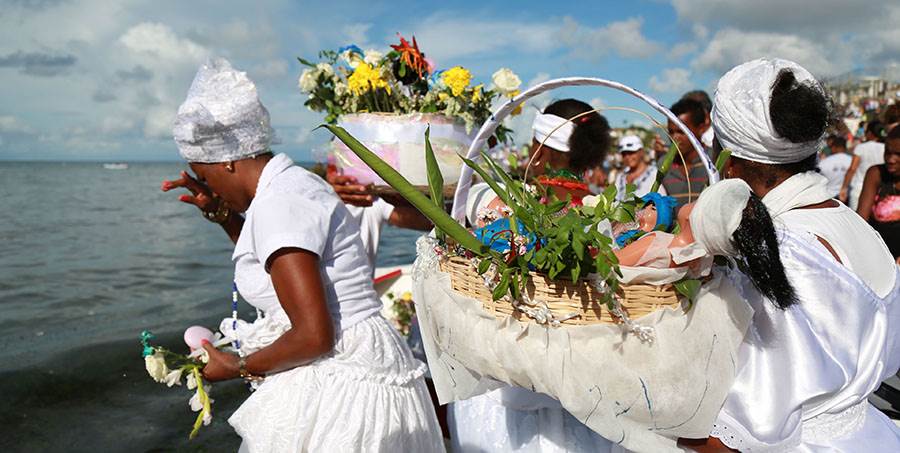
(553, 131)
(717, 215)
(740, 114)
(222, 118)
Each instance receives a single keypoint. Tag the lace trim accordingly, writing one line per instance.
(825, 427)
(734, 436)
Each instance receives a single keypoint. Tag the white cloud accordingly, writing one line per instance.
(781, 15)
(624, 38)
(10, 124)
(357, 33)
(270, 68)
(730, 47)
(673, 80)
(478, 37)
(158, 122)
(161, 43)
(681, 50)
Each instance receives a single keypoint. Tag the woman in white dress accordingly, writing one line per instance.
(330, 373)
(805, 371)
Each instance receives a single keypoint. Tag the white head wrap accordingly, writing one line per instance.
(740, 114)
(717, 215)
(553, 131)
(222, 118)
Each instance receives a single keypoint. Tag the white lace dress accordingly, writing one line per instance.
(368, 394)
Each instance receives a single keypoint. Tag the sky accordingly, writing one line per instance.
(101, 80)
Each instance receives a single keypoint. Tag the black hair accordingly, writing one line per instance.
(892, 114)
(692, 107)
(800, 112)
(590, 139)
(758, 257)
(876, 128)
(893, 134)
(838, 140)
(766, 175)
(700, 96)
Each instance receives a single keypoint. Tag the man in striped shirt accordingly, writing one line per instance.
(685, 185)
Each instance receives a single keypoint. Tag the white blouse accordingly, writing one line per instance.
(804, 373)
(295, 208)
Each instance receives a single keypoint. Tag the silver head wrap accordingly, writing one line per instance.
(222, 118)
(740, 114)
(717, 215)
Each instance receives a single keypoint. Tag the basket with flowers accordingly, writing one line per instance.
(387, 100)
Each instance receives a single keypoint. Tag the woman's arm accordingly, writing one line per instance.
(854, 164)
(298, 284)
(205, 201)
(870, 189)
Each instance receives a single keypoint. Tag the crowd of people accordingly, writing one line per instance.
(824, 282)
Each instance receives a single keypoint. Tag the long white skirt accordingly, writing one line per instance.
(516, 420)
(368, 395)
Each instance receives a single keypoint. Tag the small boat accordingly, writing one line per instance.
(116, 166)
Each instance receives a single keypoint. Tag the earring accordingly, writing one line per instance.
(229, 166)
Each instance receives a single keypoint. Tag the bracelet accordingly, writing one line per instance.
(220, 215)
(246, 375)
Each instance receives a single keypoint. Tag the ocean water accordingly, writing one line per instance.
(89, 258)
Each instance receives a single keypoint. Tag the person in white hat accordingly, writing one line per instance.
(804, 371)
(638, 172)
(331, 373)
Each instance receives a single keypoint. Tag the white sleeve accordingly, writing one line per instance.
(287, 220)
(383, 209)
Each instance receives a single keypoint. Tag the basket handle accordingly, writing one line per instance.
(488, 128)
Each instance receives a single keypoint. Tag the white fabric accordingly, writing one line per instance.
(717, 215)
(643, 183)
(870, 153)
(859, 247)
(367, 395)
(630, 143)
(489, 423)
(638, 394)
(707, 138)
(834, 168)
(805, 372)
(553, 131)
(222, 118)
(295, 208)
(370, 220)
(740, 114)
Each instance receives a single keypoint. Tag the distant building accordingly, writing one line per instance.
(867, 92)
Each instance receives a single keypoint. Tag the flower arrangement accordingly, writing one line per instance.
(403, 311)
(167, 367)
(400, 81)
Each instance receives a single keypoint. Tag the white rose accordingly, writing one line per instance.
(156, 367)
(506, 81)
(340, 89)
(308, 80)
(590, 201)
(373, 57)
(325, 68)
(173, 378)
(351, 57)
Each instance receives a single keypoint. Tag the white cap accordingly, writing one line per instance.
(630, 143)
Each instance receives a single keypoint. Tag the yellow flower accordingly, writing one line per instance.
(513, 93)
(443, 97)
(516, 110)
(476, 94)
(365, 78)
(407, 296)
(457, 78)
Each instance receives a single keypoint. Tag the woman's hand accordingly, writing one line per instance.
(200, 196)
(222, 365)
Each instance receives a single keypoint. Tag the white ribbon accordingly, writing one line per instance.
(717, 215)
(802, 189)
(740, 114)
(553, 131)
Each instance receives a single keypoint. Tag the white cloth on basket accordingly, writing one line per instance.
(640, 395)
(369, 393)
(806, 372)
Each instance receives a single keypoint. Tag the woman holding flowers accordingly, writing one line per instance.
(330, 373)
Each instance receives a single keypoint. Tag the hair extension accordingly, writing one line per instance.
(695, 110)
(759, 259)
(800, 112)
(590, 140)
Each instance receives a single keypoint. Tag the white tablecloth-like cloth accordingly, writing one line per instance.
(369, 395)
(641, 396)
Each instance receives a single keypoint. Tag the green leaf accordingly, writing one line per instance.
(435, 178)
(513, 187)
(402, 71)
(688, 288)
(664, 166)
(722, 160)
(504, 196)
(306, 62)
(441, 219)
(483, 266)
(502, 286)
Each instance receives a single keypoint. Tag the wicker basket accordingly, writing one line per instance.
(562, 297)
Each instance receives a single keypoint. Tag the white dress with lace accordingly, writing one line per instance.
(368, 394)
(805, 372)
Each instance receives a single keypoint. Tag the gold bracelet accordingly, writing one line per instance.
(220, 215)
(246, 375)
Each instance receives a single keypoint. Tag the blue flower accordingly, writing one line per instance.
(352, 47)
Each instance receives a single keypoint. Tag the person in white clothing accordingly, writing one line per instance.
(330, 373)
(805, 370)
(865, 155)
(637, 171)
(835, 166)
